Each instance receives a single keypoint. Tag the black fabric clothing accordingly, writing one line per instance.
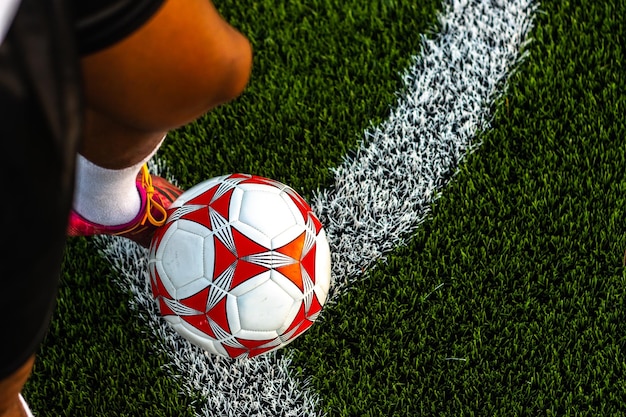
(41, 111)
(40, 127)
(101, 23)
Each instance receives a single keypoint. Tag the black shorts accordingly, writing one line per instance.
(40, 126)
(101, 23)
(40, 129)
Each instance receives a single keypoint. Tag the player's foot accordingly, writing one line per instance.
(157, 195)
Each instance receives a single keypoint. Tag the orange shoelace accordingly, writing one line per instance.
(146, 182)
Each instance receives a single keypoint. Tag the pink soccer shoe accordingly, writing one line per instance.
(157, 194)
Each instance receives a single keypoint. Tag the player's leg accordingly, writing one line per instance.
(180, 64)
(183, 62)
(10, 388)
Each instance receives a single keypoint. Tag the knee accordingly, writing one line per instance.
(211, 78)
(155, 81)
(224, 80)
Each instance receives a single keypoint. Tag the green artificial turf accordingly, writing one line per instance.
(324, 70)
(508, 301)
(96, 359)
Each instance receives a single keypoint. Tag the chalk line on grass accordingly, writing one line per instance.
(385, 190)
(380, 196)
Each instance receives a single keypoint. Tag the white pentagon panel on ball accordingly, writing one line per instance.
(210, 345)
(208, 253)
(233, 314)
(265, 307)
(163, 269)
(180, 255)
(191, 288)
(266, 211)
(254, 335)
(292, 206)
(287, 236)
(290, 317)
(234, 207)
(172, 320)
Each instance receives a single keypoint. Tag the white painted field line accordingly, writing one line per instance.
(383, 193)
(380, 196)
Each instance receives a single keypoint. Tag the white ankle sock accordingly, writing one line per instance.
(108, 197)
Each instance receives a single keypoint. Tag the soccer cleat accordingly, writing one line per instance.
(157, 195)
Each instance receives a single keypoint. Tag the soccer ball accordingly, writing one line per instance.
(241, 267)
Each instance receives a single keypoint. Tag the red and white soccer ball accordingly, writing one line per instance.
(241, 267)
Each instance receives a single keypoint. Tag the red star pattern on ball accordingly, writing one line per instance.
(239, 258)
